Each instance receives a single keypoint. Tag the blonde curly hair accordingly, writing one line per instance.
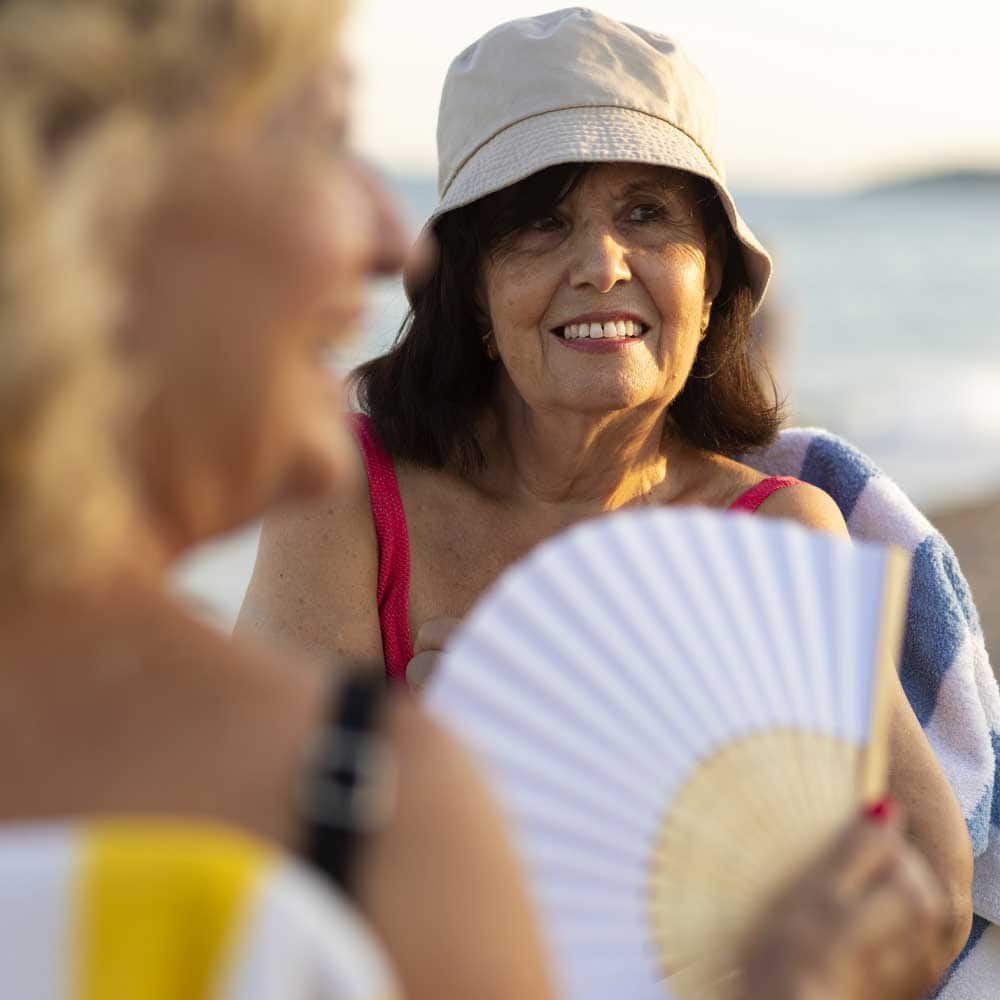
(92, 90)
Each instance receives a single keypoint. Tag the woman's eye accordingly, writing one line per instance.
(545, 224)
(646, 213)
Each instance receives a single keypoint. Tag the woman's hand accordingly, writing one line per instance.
(427, 649)
(869, 921)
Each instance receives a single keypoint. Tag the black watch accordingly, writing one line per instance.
(349, 786)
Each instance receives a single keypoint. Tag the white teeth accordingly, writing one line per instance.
(595, 331)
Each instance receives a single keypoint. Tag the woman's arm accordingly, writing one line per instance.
(440, 883)
(934, 818)
(934, 821)
(313, 588)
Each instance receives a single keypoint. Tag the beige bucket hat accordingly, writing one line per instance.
(574, 86)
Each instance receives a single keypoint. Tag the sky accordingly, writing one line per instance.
(811, 96)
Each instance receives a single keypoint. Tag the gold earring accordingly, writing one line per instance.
(490, 345)
(706, 319)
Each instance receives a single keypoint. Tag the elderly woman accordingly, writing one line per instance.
(581, 344)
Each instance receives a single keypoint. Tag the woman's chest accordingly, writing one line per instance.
(455, 558)
(459, 545)
(461, 542)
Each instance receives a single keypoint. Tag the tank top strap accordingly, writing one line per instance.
(752, 498)
(393, 591)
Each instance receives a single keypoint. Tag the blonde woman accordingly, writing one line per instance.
(224, 235)
(205, 232)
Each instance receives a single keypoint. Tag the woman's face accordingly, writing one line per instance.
(600, 306)
(252, 265)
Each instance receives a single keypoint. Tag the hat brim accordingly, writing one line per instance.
(595, 135)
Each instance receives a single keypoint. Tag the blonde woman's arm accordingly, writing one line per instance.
(440, 883)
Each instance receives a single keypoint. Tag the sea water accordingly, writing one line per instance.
(884, 311)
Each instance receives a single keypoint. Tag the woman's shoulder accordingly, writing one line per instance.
(804, 503)
(109, 681)
(342, 522)
(788, 498)
(314, 579)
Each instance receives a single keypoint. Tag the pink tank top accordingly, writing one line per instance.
(393, 589)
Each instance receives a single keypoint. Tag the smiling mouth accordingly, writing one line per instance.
(622, 329)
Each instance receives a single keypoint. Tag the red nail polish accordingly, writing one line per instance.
(881, 811)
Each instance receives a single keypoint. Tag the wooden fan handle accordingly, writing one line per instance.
(895, 596)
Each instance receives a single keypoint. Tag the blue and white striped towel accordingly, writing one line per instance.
(945, 669)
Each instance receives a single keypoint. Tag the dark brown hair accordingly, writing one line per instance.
(425, 395)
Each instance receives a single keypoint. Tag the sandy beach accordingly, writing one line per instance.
(974, 533)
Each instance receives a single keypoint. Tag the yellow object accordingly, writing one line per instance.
(135, 909)
(159, 906)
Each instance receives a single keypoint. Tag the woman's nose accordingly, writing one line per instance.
(387, 233)
(598, 259)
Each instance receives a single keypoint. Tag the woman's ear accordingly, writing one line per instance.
(716, 250)
(480, 300)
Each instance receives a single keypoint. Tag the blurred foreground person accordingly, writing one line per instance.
(180, 207)
(177, 173)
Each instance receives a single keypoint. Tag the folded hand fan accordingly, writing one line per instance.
(677, 711)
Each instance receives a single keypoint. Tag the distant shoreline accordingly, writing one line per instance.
(972, 180)
(975, 181)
